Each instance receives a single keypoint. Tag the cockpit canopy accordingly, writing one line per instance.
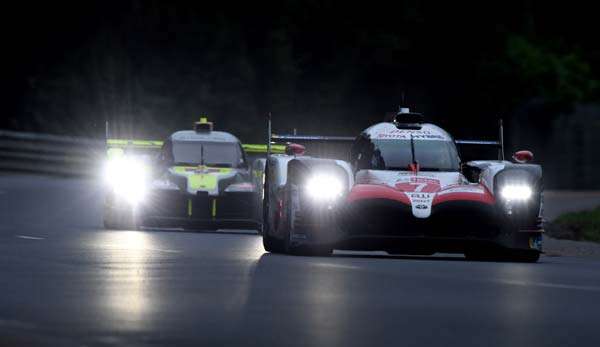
(218, 154)
(218, 149)
(385, 147)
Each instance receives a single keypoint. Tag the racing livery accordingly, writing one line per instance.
(194, 179)
(405, 191)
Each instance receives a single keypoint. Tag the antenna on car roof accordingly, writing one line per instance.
(501, 135)
(106, 135)
(414, 165)
(408, 120)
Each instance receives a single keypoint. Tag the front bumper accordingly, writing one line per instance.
(176, 209)
(453, 227)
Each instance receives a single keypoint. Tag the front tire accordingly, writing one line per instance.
(115, 219)
(270, 243)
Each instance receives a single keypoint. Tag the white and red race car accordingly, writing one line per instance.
(404, 191)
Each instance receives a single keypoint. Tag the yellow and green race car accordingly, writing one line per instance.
(195, 179)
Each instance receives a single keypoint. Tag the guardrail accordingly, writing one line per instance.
(50, 154)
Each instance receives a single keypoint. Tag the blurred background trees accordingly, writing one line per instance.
(150, 67)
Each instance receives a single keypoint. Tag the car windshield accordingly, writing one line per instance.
(221, 154)
(431, 155)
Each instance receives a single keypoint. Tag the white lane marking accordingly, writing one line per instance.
(146, 249)
(336, 266)
(29, 237)
(549, 285)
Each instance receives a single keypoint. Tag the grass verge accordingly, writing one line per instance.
(579, 226)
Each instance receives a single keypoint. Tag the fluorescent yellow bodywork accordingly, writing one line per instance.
(114, 152)
(259, 148)
(202, 178)
(134, 143)
(202, 182)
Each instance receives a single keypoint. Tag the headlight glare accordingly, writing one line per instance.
(127, 177)
(324, 187)
(516, 192)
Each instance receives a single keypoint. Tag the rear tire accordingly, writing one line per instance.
(271, 244)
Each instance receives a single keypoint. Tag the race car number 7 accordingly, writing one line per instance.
(416, 187)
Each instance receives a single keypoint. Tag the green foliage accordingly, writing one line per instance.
(321, 66)
(581, 226)
(547, 72)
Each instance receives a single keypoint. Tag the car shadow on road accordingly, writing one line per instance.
(400, 257)
(204, 231)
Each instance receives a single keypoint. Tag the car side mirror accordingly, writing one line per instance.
(523, 157)
(295, 149)
(471, 173)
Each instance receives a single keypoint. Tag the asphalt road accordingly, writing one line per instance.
(66, 281)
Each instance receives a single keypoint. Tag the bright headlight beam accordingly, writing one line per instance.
(514, 192)
(324, 187)
(127, 177)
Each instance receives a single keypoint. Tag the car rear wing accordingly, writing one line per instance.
(252, 148)
(124, 145)
(116, 147)
(307, 139)
(336, 147)
(310, 138)
(472, 144)
(120, 147)
(259, 151)
(484, 143)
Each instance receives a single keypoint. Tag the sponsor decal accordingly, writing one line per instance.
(202, 177)
(405, 134)
(421, 189)
(418, 184)
(200, 169)
(421, 204)
(202, 182)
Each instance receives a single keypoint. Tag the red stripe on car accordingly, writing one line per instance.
(375, 191)
(483, 197)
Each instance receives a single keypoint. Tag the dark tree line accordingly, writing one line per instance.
(321, 66)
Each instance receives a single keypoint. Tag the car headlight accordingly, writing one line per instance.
(324, 187)
(128, 178)
(516, 192)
